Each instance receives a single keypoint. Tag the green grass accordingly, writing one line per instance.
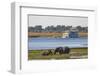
(76, 53)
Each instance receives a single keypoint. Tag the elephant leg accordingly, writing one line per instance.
(54, 52)
(60, 52)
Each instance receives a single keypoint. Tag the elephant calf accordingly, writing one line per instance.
(47, 53)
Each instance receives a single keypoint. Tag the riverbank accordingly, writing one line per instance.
(53, 34)
(75, 53)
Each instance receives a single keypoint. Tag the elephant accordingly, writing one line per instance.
(58, 50)
(47, 53)
(62, 50)
(66, 50)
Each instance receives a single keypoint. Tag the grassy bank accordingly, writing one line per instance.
(76, 53)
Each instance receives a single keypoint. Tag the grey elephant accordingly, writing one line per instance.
(62, 50)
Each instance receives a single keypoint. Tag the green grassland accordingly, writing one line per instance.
(75, 53)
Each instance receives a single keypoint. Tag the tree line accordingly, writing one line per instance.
(58, 28)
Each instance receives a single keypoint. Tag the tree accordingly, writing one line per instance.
(85, 29)
(50, 28)
(67, 28)
(79, 28)
(58, 28)
(30, 29)
(38, 28)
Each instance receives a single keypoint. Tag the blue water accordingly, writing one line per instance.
(49, 43)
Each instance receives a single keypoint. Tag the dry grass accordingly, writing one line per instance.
(52, 34)
(83, 34)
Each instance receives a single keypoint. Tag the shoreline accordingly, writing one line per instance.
(53, 34)
(55, 48)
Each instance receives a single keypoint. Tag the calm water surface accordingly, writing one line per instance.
(49, 43)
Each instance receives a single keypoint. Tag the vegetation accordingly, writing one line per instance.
(58, 28)
(76, 53)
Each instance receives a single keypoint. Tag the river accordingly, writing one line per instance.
(51, 43)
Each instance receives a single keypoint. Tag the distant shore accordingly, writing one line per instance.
(52, 34)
